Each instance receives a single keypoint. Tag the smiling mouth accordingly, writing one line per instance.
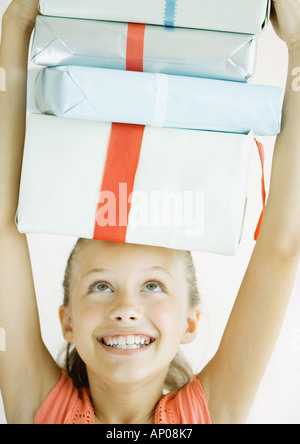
(131, 342)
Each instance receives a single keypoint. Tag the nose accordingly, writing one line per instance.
(126, 309)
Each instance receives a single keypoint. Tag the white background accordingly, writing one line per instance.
(277, 401)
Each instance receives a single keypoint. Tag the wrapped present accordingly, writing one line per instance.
(134, 184)
(244, 16)
(159, 100)
(136, 47)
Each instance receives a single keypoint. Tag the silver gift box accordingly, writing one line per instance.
(189, 52)
(245, 16)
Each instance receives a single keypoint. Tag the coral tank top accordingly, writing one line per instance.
(68, 405)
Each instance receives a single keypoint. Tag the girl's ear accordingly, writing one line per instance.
(190, 331)
(66, 323)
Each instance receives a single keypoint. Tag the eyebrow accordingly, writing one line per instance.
(154, 268)
(95, 270)
(158, 268)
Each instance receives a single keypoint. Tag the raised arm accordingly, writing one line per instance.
(27, 371)
(232, 378)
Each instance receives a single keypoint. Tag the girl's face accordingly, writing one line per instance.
(129, 310)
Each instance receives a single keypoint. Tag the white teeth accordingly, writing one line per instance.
(122, 341)
(127, 343)
(130, 340)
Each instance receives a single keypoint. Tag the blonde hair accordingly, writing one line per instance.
(180, 372)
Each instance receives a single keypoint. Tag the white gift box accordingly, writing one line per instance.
(159, 100)
(244, 16)
(178, 189)
(189, 52)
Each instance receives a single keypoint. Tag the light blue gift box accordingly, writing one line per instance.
(159, 100)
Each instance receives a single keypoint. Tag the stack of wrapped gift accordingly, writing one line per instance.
(171, 170)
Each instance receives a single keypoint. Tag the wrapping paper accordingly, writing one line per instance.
(159, 100)
(65, 162)
(98, 44)
(244, 16)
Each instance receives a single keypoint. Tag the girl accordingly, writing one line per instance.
(128, 308)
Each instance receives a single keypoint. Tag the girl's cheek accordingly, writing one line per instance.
(169, 317)
(88, 317)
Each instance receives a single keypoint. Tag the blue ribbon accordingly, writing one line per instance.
(170, 11)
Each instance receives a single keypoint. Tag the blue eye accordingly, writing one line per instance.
(103, 287)
(100, 287)
(154, 286)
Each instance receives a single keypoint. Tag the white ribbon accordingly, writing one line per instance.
(161, 102)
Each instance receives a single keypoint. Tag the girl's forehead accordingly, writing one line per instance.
(103, 254)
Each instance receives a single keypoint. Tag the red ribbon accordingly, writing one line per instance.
(118, 178)
(261, 152)
(121, 165)
(135, 47)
